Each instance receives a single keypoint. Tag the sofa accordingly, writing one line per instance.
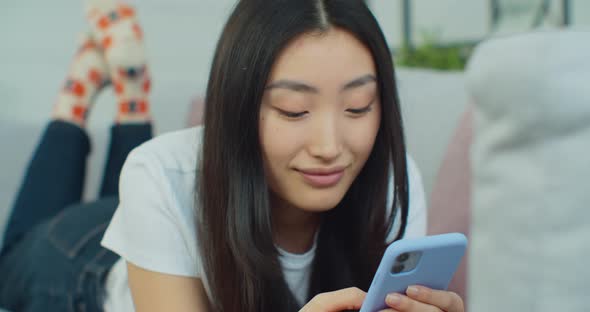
(530, 223)
(514, 177)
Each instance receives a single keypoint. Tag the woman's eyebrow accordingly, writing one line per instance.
(292, 85)
(299, 86)
(359, 82)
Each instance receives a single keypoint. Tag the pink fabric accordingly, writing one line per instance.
(450, 200)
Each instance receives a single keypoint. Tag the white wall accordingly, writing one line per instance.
(581, 12)
(389, 15)
(447, 19)
(460, 20)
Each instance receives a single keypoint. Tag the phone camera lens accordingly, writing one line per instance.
(398, 268)
(403, 257)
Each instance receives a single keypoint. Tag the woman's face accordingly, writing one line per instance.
(319, 118)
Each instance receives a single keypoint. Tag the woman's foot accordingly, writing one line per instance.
(88, 74)
(115, 27)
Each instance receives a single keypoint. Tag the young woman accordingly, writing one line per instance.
(287, 197)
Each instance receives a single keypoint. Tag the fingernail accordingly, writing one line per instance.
(393, 299)
(413, 291)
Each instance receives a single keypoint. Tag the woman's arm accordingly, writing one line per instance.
(152, 291)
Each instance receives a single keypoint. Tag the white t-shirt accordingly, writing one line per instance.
(154, 224)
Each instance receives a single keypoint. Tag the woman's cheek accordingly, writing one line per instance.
(280, 139)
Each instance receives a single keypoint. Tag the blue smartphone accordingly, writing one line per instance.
(429, 261)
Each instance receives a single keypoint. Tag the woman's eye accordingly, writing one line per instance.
(292, 115)
(360, 111)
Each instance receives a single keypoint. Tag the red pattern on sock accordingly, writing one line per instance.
(138, 32)
(130, 80)
(147, 85)
(126, 11)
(133, 106)
(79, 112)
(103, 23)
(94, 76)
(119, 87)
(107, 42)
(75, 87)
(87, 46)
(110, 18)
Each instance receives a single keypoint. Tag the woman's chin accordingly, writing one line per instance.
(318, 204)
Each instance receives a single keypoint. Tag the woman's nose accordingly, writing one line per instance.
(325, 142)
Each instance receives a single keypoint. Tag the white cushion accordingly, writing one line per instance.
(531, 171)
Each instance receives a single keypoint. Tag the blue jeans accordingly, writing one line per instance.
(52, 259)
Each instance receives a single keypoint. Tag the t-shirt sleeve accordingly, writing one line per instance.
(148, 228)
(417, 212)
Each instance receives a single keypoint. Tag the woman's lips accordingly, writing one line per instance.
(322, 178)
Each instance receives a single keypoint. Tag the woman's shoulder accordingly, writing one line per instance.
(162, 172)
(154, 225)
(177, 150)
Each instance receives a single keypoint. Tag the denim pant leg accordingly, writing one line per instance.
(54, 179)
(56, 172)
(124, 138)
(60, 265)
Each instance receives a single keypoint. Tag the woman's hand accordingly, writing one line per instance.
(422, 299)
(339, 300)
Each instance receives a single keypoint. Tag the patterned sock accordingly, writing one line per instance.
(115, 27)
(88, 74)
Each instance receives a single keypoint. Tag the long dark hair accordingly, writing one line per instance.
(234, 215)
